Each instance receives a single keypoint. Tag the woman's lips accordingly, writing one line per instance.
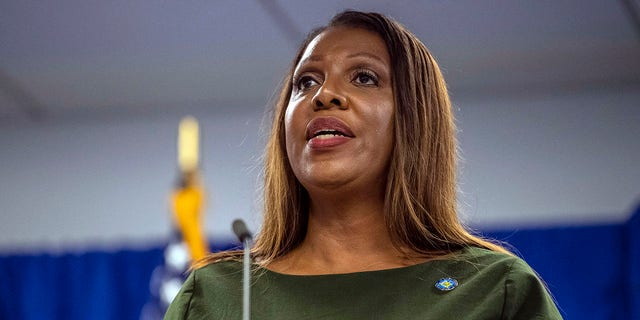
(327, 132)
(327, 141)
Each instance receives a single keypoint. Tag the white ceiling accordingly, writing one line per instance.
(94, 58)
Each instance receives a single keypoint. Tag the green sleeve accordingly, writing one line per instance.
(526, 296)
(179, 308)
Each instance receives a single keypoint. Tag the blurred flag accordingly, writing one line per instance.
(187, 242)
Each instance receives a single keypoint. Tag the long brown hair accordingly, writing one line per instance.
(420, 199)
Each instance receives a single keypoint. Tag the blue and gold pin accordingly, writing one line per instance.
(446, 284)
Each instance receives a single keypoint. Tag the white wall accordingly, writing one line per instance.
(570, 158)
(96, 183)
(539, 160)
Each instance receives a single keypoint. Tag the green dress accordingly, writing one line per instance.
(489, 285)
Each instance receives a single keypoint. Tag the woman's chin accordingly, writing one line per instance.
(326, 181)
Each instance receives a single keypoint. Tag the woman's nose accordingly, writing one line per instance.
(328, 96)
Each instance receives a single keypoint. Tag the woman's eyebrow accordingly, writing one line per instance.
(367, 55)
(310, 59)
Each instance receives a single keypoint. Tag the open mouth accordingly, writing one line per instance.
(328, 127)
(327, 133)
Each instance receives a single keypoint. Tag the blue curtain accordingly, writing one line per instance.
(632, 234)
(583, 267)
(592, 271)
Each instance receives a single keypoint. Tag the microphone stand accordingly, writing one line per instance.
(243, 234)
(246, 277)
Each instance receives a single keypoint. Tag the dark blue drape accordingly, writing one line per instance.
(583, 267)
(93, 285)
(593, 272)
(632, 233)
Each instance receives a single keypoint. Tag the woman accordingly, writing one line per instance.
(360, 211)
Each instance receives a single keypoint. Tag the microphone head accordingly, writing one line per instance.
(240, 229)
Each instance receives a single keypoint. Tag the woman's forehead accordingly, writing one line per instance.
(345, 41)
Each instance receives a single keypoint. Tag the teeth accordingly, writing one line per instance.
(328, 135)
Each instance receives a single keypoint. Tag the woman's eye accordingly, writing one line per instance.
(366, 78)
(305, 83)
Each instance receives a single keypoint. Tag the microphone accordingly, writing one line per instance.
(243, 234)
(241, 231)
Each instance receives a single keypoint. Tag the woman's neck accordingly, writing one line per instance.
(344, 236)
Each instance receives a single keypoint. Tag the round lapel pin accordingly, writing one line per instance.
(446, 284)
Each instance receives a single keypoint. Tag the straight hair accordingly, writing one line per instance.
(420, 196)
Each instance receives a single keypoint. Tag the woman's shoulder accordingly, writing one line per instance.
(525, 294)
(485, 255)
(207, 287)
(515, 265)
(229, 270)
(478, 259)
(482, 268)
